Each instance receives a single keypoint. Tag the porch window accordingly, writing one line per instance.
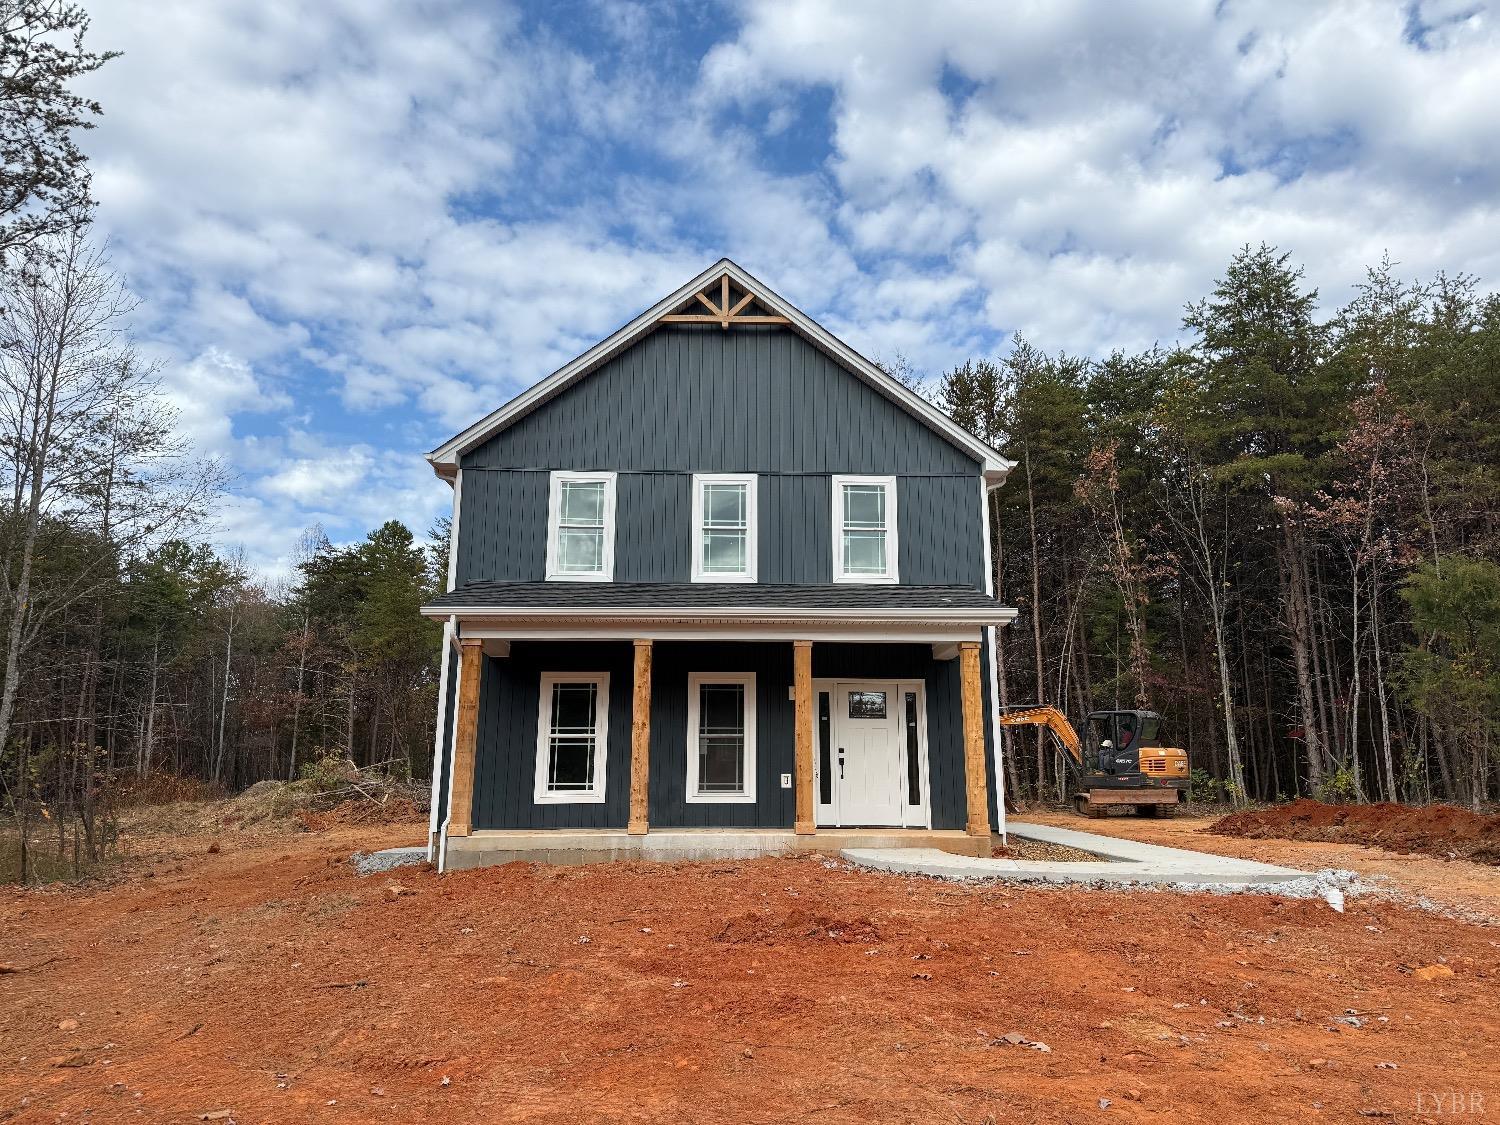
(724, 528)
(721, 737)
(572, 734)
(581, 527)
(864, 529)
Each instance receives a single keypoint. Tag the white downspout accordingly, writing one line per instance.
(437, 741)
(442, 751)
(989, 639)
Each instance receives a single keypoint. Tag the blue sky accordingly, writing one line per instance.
(357, 225)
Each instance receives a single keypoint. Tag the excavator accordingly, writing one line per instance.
(1131, 766)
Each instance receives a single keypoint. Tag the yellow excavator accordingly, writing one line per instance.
(1130, 766)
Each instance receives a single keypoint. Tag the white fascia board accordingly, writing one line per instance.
(444, 458)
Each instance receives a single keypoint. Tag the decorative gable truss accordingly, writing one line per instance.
(727, 304)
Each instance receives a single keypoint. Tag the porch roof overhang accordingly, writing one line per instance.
(689, 610)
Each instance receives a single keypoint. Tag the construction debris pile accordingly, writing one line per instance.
(332, 792)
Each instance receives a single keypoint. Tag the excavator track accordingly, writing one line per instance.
(1084, 807)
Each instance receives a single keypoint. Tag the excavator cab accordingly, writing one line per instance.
(1119, 737)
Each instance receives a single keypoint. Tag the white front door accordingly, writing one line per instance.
(877, 772)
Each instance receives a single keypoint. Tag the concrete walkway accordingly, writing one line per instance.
(1126, 862)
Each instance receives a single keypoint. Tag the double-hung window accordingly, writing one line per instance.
(581, 527)
(864, 529)
(724, 527)
(572, 734)
(721, 737)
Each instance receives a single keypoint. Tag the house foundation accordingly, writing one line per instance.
(487, 848)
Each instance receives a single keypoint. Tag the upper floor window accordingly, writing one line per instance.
(864, 529)
(581, 527)
(724, 528)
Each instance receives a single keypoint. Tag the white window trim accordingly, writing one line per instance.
(695, 681)
(594, 796)
(554, 513)
(892, 542)
(752, 526)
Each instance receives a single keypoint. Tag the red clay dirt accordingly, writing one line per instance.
(1440, 830)
(269, 981)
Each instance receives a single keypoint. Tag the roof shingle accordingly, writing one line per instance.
(545, 596)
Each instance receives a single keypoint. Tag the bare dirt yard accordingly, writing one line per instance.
(264, 981)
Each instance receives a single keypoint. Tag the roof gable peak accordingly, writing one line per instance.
(729, 296)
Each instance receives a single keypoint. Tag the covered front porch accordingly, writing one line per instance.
(671, 733)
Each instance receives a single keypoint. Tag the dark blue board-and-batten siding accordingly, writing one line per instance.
(684, 400)
(505, 761)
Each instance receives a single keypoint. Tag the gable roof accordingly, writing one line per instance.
(444, 459)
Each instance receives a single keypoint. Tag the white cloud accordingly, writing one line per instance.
(1109, 159)
(357, 225)
(208, 391)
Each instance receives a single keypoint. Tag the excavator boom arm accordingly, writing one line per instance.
(1055, 721)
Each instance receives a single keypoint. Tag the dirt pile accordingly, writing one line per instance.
(1440, 830)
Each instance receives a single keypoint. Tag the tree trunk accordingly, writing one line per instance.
(1391, 786)
(148, 743)
(1328, 671)
(1036, 624)
(1226, 694)
(1299, 629)
(349, 717)
(1450, 789)
(297, 699)
(224, 699)
(1355, 687)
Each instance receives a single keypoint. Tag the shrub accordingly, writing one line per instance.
(1338, 788)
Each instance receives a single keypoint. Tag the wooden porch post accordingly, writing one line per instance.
(802, 763)
(973, 709)
(465, 734)
(640, 740)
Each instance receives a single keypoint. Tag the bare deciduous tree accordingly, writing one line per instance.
(89, 459)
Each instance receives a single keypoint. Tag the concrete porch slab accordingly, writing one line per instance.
(1122, 862)
(483, 848)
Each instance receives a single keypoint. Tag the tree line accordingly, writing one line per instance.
(1281, 533)
(133, 650)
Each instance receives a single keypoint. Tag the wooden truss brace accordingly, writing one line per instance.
(722, 313)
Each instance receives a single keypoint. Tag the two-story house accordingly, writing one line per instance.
(719, 587)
